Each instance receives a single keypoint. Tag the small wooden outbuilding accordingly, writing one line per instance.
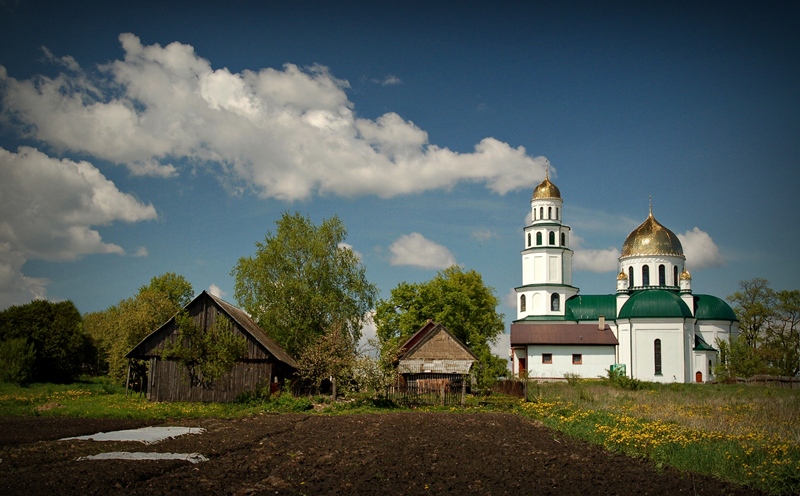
(433, 358)
(264, 363)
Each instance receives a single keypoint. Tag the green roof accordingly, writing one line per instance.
(701, 345)
(709, 307)
(591, 307)
(654, 303)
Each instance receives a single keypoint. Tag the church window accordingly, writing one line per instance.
(529, 239)
(657, 354)
(555, 302)
(547, 358)
(541, 212)
(551, 238)
(522, 303)
(662, 277)
(646, 275)
(577, 359)
(563, 239)
(534, 214)
(630, 276)
(549, 212)
(556, 213)
(538, 239)
(675, 276)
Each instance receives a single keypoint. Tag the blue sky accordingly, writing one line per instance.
(169, 138)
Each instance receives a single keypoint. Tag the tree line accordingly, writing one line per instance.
(769, 332)
(303, 286)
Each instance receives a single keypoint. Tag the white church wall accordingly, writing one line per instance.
(673, 358)
(595, 360)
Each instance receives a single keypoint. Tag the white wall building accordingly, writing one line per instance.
(654, 326)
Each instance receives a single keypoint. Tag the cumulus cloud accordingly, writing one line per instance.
(369, 332)
(216, 291)
(596, 260)
(699, 249)
(49, 207)
(510, 300)
(284, 133)
(417, 251)
(141, 252)
(350, 247)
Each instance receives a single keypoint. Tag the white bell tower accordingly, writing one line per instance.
(546, 258)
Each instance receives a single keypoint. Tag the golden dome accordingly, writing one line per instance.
(622, 276)
(651, 238)
(546, 189)
(685, 275)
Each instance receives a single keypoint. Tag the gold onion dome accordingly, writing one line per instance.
(651, 238)
(546, 189)
(685, 275)
(622, 276)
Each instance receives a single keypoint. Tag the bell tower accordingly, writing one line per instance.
(546, 257)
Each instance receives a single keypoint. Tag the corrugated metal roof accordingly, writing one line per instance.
(418, 366)
(591, 307)
(572, 334)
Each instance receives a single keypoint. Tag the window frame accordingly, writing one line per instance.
(547, 358)
(577, 359)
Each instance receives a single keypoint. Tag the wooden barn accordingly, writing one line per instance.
(433, 358)
(265, 362)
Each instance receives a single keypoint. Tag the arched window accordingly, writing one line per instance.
(541, 212)
(534, 214)
(657, 355)
(563, 239)
(662, 277)
(556, 213)
(630, 277)
(522, 303)
(646, 275)
(675, 276)
(549, 212)
(555, 302)
(551, 238)
(538, 239)
(529, 239)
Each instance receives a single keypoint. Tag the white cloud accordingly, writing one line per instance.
(285, 134)
(596, 260)
(700, 250)
(417, 251)
(510, 299)
(369, 332)
(216, 291)
(47, 209)
(141, 252)
(388, 80)
(483, 234)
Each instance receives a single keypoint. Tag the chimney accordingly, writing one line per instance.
(601, 323)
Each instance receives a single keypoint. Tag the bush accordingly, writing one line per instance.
(621, 380)
(16, 360)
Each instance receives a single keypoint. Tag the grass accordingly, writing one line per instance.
(744, 434)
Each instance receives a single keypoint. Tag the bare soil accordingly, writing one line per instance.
(383, 454)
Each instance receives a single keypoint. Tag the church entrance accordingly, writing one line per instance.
(698, 377)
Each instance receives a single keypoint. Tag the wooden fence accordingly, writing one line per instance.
(417, 395)
(771, 380)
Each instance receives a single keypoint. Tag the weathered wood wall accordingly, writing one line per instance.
(169, 381)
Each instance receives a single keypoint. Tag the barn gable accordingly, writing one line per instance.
(434, 349)
(264, 361)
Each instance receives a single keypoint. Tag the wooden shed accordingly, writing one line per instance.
(434, 358)
(265, 362)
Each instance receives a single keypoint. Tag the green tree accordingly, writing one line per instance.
(119, 328)
(783, 333)
(302, 280)
(206, 355)
(754, 305)
(54, 331)
(332, 355)
(455, 298)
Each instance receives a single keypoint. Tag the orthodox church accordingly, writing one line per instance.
(653, 328)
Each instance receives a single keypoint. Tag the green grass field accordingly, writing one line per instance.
(744, 434)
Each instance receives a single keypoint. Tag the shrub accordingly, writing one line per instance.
(16, 360)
